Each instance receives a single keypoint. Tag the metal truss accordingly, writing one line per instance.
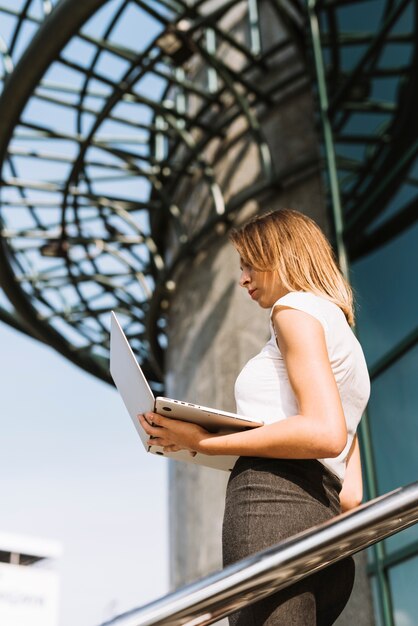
(100, 130)
(368, 97)
(369, 66)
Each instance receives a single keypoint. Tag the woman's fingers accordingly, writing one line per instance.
(155, 419)
(173, 435)
(156, 434)
(174, 448)
(157, 437)
(155, 441)
(150, 429)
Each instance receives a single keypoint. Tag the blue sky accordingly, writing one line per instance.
(73, 469)
(72, 466)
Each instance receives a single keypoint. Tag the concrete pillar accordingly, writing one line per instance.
(213, 331)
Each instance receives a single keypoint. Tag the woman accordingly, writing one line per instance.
(310, 385)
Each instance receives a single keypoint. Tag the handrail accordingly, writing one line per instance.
(221, 593)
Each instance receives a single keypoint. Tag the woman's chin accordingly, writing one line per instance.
(263, 304)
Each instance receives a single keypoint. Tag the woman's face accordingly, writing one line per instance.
(263, 287)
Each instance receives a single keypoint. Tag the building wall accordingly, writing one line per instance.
(28, 596)
(387, 323)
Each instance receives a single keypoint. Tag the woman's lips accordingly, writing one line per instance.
(252, 293)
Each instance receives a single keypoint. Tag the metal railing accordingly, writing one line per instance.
(224, 592)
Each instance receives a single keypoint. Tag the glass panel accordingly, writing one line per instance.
(394, 430)
(353, 17)
(386, 298)
(403, 579)
(376, 602)
(402, 540)
(403, 197)
(394, 425)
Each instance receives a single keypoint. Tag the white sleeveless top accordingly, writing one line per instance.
(263, 390)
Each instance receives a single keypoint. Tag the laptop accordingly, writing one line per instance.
(139, 398)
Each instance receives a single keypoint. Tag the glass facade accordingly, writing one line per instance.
(403, 579)
(386, 321)
(387, 296)
(367, 70)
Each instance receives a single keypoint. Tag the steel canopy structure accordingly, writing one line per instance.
(111, 127)
(98, 129)
(91, 160)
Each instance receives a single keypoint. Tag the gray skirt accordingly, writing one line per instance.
(268, 500)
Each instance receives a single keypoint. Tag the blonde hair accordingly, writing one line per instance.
(293, 244)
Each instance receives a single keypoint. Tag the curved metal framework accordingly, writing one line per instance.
(372, 80)
(106, 127)
(102, 128)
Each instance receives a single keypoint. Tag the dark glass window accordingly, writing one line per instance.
(394, 429)
(376, 604)
(403, 579)
(387, 298)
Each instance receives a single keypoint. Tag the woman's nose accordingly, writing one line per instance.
(244, 278)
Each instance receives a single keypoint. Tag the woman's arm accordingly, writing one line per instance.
(351, 494)
(317, 431)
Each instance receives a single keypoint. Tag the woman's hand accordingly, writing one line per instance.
(173, 435)
(352, 492)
